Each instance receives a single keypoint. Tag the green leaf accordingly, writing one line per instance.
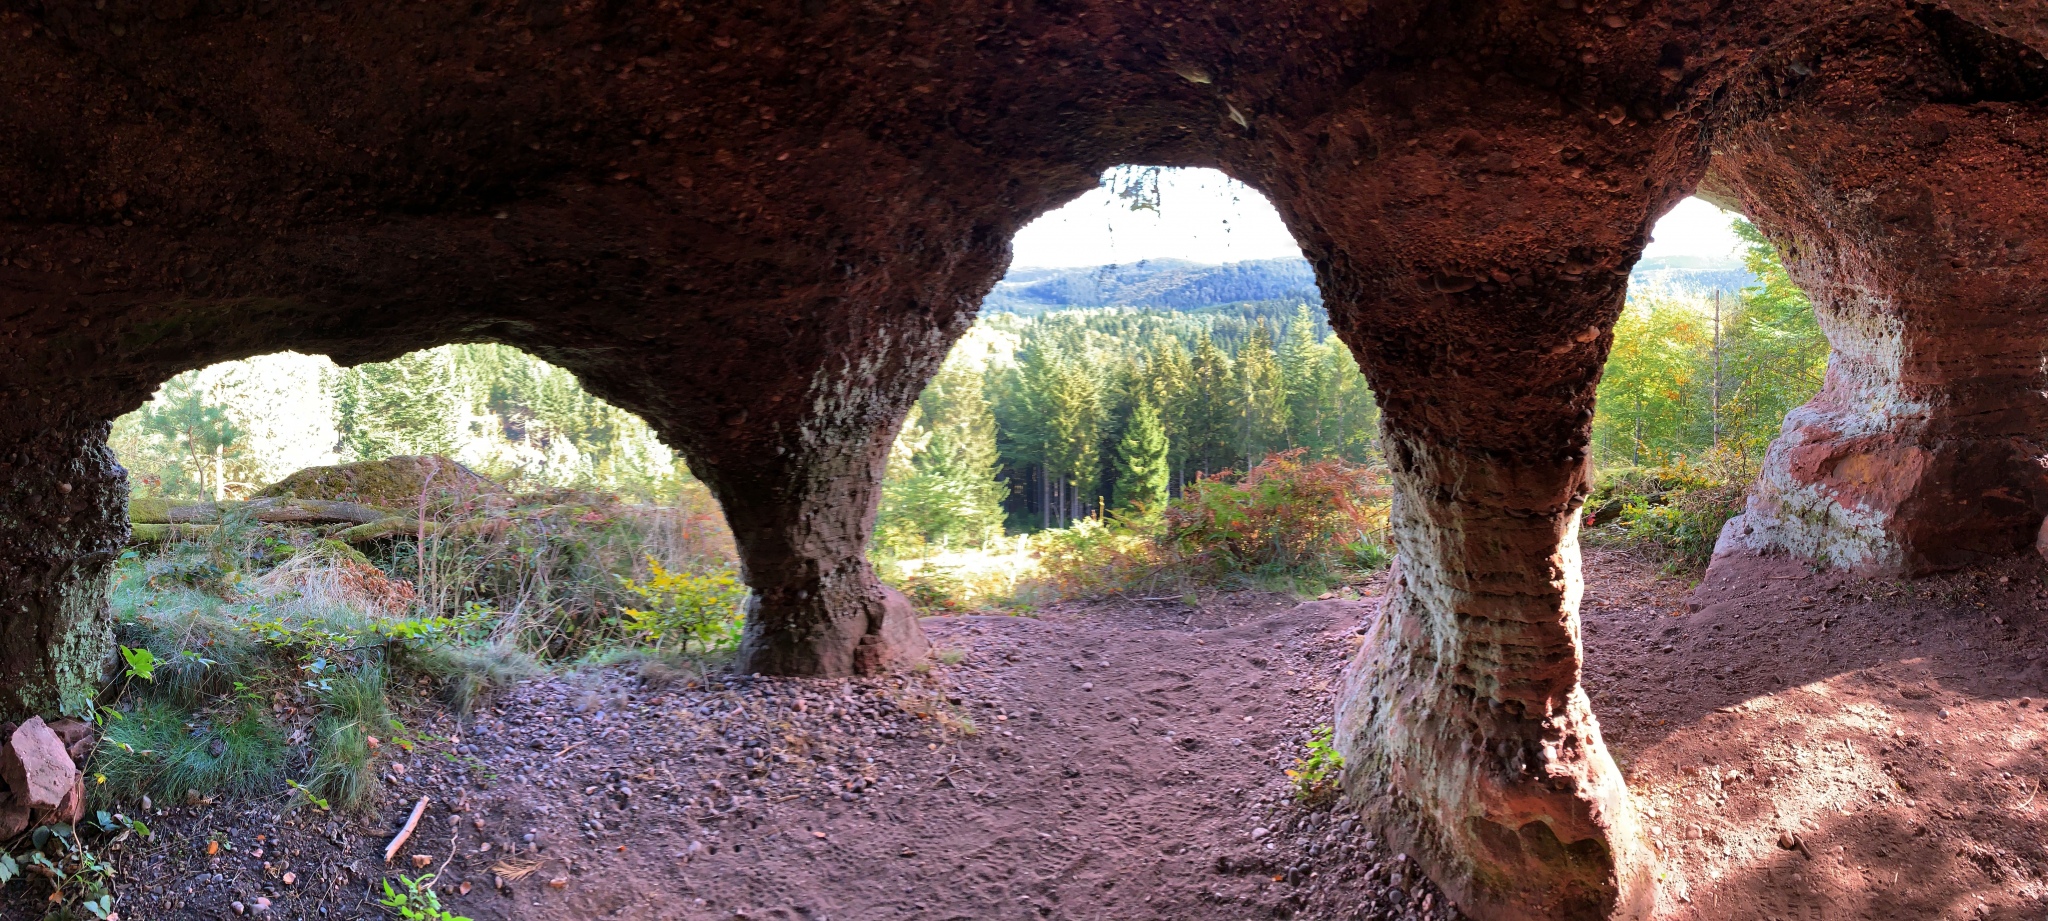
(141, 663)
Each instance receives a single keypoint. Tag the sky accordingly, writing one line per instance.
(1204, 216)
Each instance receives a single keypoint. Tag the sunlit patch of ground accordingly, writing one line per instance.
(1817, 747)
(998, 575)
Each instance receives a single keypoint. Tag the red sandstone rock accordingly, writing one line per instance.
(15, 817)
(763, 228)
(79, 738)
(71, 809)
(36, 767)
(1923, 449)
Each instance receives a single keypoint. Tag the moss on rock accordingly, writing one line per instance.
(393, 483)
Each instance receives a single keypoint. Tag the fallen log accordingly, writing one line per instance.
(165, 533)
(385, 528)
(268, 511)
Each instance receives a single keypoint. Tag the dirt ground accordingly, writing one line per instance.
(1113, 759)
(1892, 732)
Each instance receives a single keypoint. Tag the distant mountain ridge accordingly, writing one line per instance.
(1178, 284)
(1174, 284)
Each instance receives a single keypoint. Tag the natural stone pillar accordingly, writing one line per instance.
(801, 521)
(1917, 231)
(62, 501)
(1466, 734)
(787, 410)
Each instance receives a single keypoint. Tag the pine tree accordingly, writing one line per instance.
(199, 431)
(1141, 460)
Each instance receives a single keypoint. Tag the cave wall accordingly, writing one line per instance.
(761, 225)
(1911, 203)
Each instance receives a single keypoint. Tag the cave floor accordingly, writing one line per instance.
(1123, 759)
(1893, 732)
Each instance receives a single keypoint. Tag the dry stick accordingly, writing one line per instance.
(418, 809)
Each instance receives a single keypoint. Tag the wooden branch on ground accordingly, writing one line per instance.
(404, 834)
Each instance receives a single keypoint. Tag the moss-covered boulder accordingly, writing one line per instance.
(392, 483)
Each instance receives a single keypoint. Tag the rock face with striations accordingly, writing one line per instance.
(761, 226)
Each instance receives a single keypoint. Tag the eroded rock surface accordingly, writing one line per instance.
(1911, 203)
(761, 226)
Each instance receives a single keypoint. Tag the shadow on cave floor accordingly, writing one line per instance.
(1105, 760)
(1894, 731)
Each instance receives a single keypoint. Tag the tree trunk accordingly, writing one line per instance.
(63, 524)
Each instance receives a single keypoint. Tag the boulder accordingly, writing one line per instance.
(287, 511)
(37, 768)
(392, 483)
(79, 739)
(71, 810)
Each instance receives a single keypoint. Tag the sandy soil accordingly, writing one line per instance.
(1124, 760)
(1892, 732)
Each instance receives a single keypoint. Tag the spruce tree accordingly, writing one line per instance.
(1302, 366)
(1167, 375)
(1208, 406)
(1261, 401)
(1074, 440)
(1141, 460)
(412, 404)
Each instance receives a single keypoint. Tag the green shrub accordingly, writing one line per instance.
(1674, 512)
(1318, 772)
(684, 608)
(933, 588)
(1286, 516)
(1288, 523)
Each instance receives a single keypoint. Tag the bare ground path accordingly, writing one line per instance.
(1125, 762)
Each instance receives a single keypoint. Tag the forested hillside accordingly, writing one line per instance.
(1186, 286)
(229, 429)
(1168, 283)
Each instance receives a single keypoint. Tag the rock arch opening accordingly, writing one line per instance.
(229, 430)
(739, 225)
(1716, 346)
(1176, 289)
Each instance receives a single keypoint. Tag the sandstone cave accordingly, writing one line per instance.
(761, 225)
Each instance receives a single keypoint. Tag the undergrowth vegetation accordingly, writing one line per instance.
(266, 660)
(1672, 513)
(1288, 524)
